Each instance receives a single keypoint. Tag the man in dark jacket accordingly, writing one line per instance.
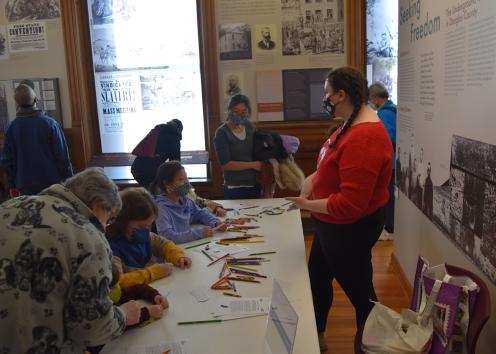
(161, 144)
(35, 153)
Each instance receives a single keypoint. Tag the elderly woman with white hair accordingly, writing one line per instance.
(55, 268)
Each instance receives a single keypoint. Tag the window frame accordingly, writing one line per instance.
(86, 131)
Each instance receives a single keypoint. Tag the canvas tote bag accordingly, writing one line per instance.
(388, 332)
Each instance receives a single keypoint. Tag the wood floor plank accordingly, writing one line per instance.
(341, 322)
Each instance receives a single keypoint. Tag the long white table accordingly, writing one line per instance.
(282, 233)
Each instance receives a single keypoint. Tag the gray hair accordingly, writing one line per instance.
(377, 89)
(94, 188)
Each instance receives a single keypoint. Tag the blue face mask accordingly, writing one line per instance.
(238, 119)
(183, 189)
(140, 236)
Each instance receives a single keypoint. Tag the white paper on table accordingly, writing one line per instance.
(216, 251)
(242, 307)
(180, 347)
(200, 295)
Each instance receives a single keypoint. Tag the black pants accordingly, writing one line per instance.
(242, 193)
(344, 252)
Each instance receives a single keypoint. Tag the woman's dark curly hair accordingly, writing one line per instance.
(352, 82)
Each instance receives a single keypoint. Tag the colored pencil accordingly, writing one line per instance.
(206, 254)
(240, 241)
(261, 253)
(200, 244)
(250, 207)
(238, 271)
(230, 294)
(218, 259)
(242, 268)
(198, 322)
(245, 280)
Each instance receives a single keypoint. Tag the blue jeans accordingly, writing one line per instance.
(242, 192)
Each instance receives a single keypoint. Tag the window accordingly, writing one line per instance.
(318, 15)
(382, 43)
(330, 14)
(308, 15)
(147, 70)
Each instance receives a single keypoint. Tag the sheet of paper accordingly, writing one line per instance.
(200, 295)
(216, 251)
(242, 307)
(180, 347)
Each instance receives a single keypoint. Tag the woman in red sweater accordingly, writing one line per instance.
(346, 195)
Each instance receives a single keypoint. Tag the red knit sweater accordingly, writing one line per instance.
(354, 175)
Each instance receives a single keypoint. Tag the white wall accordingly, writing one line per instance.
(416, 235)
(41, 64)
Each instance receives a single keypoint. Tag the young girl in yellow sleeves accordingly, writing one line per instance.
(135, 248)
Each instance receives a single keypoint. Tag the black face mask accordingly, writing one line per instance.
(328, 106)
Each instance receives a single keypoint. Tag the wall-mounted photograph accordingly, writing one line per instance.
(266, 38)
(312, 27)
(235, 41)
(26, 10)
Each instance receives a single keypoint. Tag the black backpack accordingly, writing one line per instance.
(268, 145)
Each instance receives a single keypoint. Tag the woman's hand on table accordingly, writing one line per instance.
(184, 262)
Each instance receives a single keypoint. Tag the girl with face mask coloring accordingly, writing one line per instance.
(176, 212)
(135, 247)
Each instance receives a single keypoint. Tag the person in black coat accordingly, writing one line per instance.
(161, 144)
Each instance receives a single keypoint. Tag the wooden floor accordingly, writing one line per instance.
(341, 328)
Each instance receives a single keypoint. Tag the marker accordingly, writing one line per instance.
(287, 203)
(261, 253)
(198, 322)
(229, 294)
(200, 244)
